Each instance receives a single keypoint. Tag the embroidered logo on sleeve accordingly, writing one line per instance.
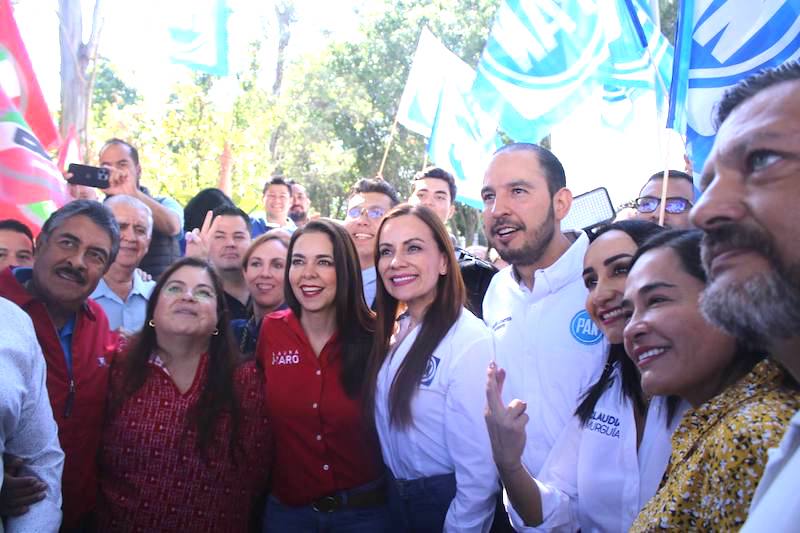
(584, 330)
(286, 357)
(501, 323)
(430, 371)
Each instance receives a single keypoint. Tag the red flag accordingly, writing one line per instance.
(19, 82)
(31, 187)
(69, 151)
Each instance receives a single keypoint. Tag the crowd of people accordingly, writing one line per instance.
(198, 369)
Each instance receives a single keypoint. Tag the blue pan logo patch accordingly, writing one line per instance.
(430, 371)
(584, 330)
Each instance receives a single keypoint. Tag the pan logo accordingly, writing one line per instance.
(430, 371)
(584, 330)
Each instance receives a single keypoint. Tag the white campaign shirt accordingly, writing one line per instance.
(776, 503)
(544, 339)
(449, 433)
(27, 427)
(595, 479)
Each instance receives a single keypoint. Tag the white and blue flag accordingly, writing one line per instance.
(198, 32)
(719, 43)
(433, 64)
(541, 60)
(463, 140)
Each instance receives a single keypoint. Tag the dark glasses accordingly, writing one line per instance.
(673, 206)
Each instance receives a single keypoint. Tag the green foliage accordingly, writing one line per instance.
(333, 115)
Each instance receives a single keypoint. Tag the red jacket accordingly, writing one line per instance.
(79, 432)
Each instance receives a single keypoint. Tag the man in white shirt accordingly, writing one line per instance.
(749, 211)
(27, 428)
(545, 341)
(122, 293)
(369, 201)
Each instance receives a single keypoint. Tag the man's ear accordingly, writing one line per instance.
(562, 201)
(450, 212)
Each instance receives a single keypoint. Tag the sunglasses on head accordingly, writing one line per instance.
(673, 206)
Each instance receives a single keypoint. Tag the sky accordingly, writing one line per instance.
(134, 37)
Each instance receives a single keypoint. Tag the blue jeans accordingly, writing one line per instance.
(285, 519)
(420, 505)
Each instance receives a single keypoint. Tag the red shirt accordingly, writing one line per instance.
(93, 345)
(322, 441)
(152, 476)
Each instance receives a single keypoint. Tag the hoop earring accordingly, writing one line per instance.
(215, 332)
(151, 323)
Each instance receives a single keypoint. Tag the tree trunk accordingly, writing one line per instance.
(76, 79)
(284, 12)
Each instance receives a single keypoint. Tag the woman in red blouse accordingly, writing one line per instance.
(186, 445)
(327, 470)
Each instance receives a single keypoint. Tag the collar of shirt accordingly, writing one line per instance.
(764, 377)
(561, 273)
(369, 276)
(21, 295)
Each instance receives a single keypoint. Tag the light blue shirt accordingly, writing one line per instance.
(128, 314)
(368, 278)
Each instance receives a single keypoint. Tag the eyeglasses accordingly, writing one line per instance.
(200, 293)
(373, 212)
(673, 206)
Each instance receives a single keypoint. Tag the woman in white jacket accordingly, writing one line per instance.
(427, 362)
(607, 462)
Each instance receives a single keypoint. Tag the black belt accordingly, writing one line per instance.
(352, 499)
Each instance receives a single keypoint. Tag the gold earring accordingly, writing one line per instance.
(215, 332)
(151, 323)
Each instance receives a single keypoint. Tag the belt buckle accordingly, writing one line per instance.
(326, 504)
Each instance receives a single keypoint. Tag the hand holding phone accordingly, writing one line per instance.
(90, 176)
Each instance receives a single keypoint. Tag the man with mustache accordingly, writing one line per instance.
(751, 188)
(122, 293)
(548, 347)
(74, 250)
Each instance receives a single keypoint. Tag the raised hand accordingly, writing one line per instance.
(505, 424)
(120, 182)
(197, 240)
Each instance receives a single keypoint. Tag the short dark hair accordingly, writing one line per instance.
(231, 211)
(11, 224)
(94, 211)
(685, 244)
(365, 185)
(672, 174)
(552, 167)
(278, 180)
(196, 209)
(439, 174)
(133, 151)
(752, 85)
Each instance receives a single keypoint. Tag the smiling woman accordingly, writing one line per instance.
(740, 401)
(186, 443)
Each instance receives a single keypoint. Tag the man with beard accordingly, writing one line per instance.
(749, 212)
(301, 205)
(549, 348)
(74, 250)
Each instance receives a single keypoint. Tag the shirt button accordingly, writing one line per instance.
(319, 437)
(314, 405)
(326, 467)
(319, 372)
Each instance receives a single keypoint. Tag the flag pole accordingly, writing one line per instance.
(662, 206)
(424, 159)
(388, 145)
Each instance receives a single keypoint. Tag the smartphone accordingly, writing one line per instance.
(87, 175)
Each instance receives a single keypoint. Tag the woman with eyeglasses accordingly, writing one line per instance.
(327, 474)
(680, 194)
(186, 443)
(740, 401)
(427, 362)
(264, 265)
(609, 460)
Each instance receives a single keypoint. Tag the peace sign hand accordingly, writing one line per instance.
(197, 240)
(506, 425)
